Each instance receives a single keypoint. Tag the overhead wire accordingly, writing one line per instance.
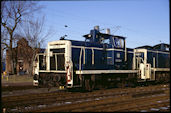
(79, 20)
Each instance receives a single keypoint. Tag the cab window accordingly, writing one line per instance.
(118, 42)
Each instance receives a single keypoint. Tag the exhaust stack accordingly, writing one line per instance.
(108, 31)
(96, 28)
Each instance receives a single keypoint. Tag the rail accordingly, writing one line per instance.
(47, 101)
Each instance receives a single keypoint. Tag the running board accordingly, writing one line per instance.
(160, 69)
(104, 71)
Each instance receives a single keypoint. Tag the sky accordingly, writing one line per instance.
(142, 22)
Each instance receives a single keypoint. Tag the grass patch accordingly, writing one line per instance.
(17, 78)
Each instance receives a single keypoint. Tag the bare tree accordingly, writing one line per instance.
(3, 45)
(35, 33)
(12, 14)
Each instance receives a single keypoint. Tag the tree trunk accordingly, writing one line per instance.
(1, 59)
(31, 64)
(12, 62)
(30, 69)
(11, 54)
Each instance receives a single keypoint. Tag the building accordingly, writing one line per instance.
(22, 55)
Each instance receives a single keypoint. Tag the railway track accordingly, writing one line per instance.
(76, 101)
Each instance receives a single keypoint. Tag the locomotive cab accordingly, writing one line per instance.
(96, 36)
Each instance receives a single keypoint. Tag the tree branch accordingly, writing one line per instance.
(5, 44)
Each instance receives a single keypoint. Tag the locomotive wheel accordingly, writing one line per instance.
(121, 84)
(44, 83)
(88, 85)
(40, 82)
(93, 82)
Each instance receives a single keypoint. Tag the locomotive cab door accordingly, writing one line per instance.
(139, 59)
(140, 63)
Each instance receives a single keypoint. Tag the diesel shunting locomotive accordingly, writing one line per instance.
(102, 60)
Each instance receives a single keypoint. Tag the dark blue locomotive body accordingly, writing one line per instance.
(108, 52)
(158, 56)
(159, 59)
(97, 56)
(101, 52)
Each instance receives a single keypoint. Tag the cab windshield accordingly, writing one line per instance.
(118, 42)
